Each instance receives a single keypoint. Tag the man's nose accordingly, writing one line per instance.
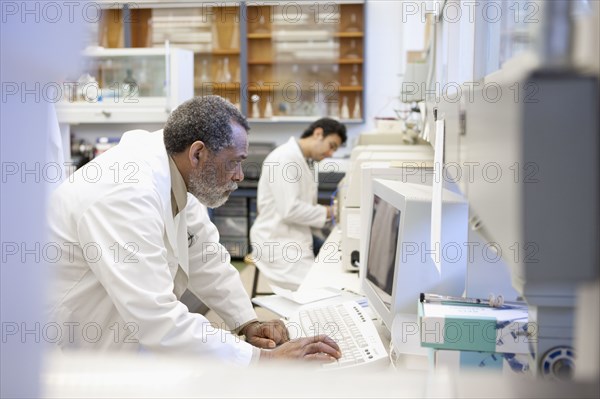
(238, 174)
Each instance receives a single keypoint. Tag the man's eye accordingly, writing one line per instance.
(233, 164)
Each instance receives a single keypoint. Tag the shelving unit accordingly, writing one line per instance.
(212, 33)
(305, 59)
(300, 69)
(134, 85)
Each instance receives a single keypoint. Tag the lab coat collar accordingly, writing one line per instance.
(149, 147)
(308, 164)
(178, 188)
(163, 176)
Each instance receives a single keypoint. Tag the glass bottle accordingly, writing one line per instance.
(219, 77)
(262, 27)
(353, 78)
(334, 108)
(356, 112)
(204, 75)
(345, 111)
(130, 84)
(268, 110)
(255, 110)
(335, 73)
(353, 51)
(353, 25)
(226, 73)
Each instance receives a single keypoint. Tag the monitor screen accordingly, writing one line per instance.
(381, 256)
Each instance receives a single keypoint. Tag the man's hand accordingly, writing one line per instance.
(317, 348)
(267, 334)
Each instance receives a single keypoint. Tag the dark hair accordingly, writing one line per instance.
(329, 126)
(206, 118)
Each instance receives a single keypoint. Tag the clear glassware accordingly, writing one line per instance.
(219, 77)
(130, 86)
(205, 75)
(226, 74)
(353, 51)
(268, 110)
(345, 111)
(335, 74)
(255, 110)
(353, 25)
(354, 77)
(262, 26)
(334, 108)
(356, 112)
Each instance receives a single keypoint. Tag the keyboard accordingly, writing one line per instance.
(347, 324)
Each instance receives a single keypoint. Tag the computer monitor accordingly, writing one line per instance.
(383, 245)
(398, 264)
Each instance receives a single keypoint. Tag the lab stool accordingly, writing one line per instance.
(250, 262)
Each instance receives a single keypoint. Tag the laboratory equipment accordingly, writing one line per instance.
(397, 251)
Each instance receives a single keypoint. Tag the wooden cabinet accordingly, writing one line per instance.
(128, 85)
(305, 61)
(211, 32)
(280, 61)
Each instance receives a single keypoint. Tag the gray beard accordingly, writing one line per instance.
(204, 186)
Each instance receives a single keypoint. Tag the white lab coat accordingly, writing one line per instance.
(287, 209)
(115, 285)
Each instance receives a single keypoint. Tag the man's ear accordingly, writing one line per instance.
(196, 153)
(318, 133)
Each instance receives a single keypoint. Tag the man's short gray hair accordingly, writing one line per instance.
(206, 118)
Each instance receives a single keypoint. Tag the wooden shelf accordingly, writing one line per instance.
(298, 119)
(225, 52)
(305, 62)
(219, 85)
(347, 61)
(340, 61)
(349, 34)
(346, 89)
(260, 35)
(340, 89)
(356, 35)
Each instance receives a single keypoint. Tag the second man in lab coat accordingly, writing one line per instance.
(281, 236)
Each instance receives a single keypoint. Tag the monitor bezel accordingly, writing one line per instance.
(371, 290)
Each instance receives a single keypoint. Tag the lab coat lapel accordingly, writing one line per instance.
(298, 157)
(181, 251)
(182, 242)
(175, 228)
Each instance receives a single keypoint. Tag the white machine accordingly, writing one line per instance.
(412, 164)
(397, 262)
(417, 148)
(545, 217)
(421, 157)
(379, 138)
(398, 266)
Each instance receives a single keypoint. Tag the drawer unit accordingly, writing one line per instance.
(236, 226)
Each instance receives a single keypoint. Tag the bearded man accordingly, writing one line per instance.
(132, 233)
